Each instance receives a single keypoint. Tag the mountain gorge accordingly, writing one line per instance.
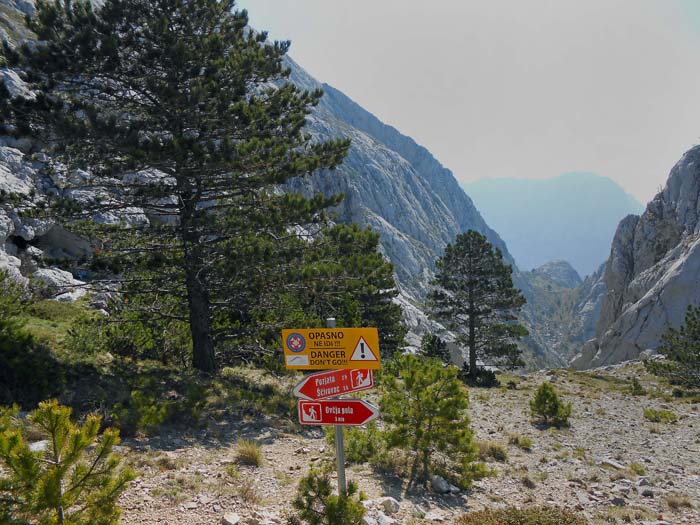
(570, 217)
(397, 187)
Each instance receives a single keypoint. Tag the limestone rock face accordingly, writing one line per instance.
(391, 184)
(653, 272)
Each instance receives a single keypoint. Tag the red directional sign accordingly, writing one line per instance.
(333, 383)
(348, 412)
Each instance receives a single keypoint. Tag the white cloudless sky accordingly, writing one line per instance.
(513, 88)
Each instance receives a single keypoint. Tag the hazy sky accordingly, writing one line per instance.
(515, 88)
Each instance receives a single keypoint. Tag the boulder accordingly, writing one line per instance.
(439, 484)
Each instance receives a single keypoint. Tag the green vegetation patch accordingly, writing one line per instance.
(660, 416)
(530, 516)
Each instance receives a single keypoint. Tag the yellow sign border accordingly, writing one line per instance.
(328, 348)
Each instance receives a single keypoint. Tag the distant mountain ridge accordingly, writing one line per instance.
(570, 217)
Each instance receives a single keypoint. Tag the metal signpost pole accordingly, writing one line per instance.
(339, 445)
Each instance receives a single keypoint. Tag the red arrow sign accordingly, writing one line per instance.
(350, 412)
(333, 383)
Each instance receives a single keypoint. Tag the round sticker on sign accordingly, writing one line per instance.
(296, 342)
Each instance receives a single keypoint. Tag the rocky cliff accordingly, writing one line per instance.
(393, 185)
(653, 272)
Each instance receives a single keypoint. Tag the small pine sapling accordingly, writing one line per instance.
(424, 408)
(317, 505)
(77, 479)
(549, 408)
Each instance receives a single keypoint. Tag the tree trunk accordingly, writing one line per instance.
(200, 316)
(472, 346)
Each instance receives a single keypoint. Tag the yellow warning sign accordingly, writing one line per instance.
(331, 348)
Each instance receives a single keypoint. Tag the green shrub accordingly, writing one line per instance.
(522, 442)
(682, 351)
(424, 409)
(143, 413)
(636, 388)
(484, 378)
(317, 505)
(659, 416)
(530, 516)
(549, 408)
(28, 370)
(76, 480)
(362, 444)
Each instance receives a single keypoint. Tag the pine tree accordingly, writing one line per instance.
(424, 409)
(547, 405)
(474, 295)
(432, 346)
(183, 119)
(682, 350)
(348, 278)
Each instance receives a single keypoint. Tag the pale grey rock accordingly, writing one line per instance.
(16, 176)
(368, 520)
(560, 273)
(15, 85)
(390, 505)
(11, 265)
(439, 484)
(7, 227)
(383, 519)
(653, 272)
(39, 446)
(26, 7)
(59, 284)
(130, 217)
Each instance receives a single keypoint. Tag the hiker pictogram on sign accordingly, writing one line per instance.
(311, 412)
(361, 379)
(363, 352)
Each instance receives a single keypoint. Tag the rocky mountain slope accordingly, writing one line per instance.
(611, 466)
(393, 185)
(571, 217)
(653, 272)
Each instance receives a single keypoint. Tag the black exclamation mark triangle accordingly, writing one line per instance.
(363, 352)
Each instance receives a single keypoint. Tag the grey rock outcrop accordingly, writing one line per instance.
(653, 272)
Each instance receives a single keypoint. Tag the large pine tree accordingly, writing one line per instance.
(474, 295)
(183, 121)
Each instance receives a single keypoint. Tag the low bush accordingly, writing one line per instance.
(362, 444)
(492, 450)
(317, 505)
(530, 516)
(484, 378)
(659, 415)
(547, 406)
(522, 442)
(143, 413)
(636, 388)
